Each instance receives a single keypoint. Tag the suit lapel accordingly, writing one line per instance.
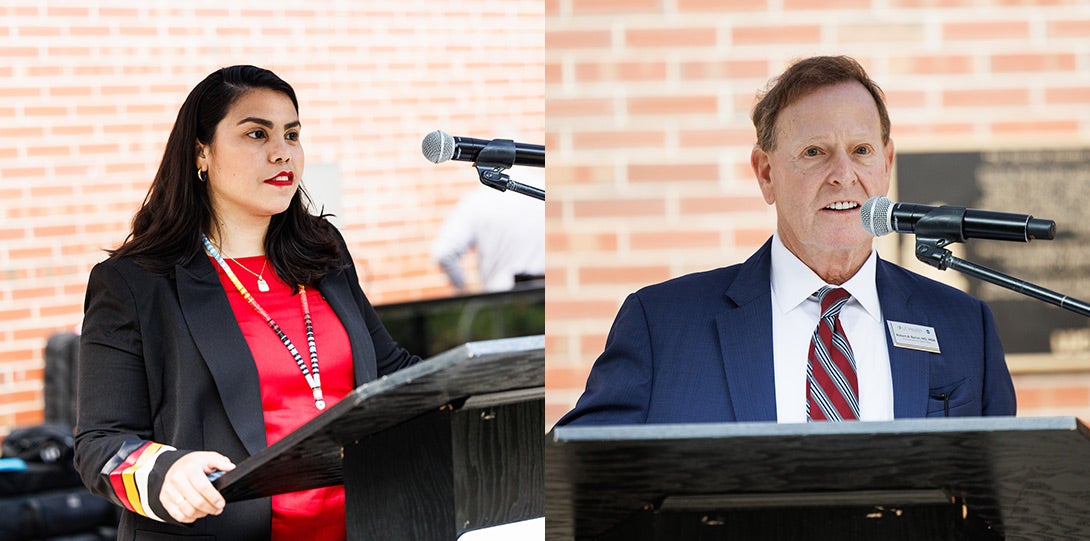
(337, 291)
(746, 343)
(223, 348)
(909, 367)
(745, 340)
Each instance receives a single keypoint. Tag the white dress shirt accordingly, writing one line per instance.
(795, 313)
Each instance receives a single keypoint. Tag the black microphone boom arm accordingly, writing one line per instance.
(933, 252)
(494, 178)
(497, 155)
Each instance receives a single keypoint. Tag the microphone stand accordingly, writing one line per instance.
(939, 228)
(497, 155)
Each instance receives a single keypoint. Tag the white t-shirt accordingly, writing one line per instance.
(506, 228)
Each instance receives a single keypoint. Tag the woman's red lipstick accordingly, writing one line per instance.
(283, 178)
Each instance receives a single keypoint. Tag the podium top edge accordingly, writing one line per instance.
(576, 434)
(505, 345)
(521, 346)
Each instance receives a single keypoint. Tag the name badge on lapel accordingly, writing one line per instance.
(908, 335)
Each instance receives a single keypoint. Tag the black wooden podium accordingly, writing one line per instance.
(449, 445)
(958, 478)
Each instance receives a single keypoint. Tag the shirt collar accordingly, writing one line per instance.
(793, 282)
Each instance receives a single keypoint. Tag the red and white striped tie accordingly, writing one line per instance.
(832, 389)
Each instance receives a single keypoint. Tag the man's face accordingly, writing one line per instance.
(829, 159)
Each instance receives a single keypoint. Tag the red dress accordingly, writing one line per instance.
(285, 396)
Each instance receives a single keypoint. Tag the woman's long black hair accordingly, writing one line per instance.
(167, 229)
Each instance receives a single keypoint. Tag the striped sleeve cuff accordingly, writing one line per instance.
(128, 473)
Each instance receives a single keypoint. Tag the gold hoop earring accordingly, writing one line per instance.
(202, 175)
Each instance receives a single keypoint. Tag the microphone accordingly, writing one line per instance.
(438, 146)
(881, 216)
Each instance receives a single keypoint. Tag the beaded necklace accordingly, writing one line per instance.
(311, 373)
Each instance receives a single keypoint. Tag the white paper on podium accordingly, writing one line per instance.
(526, 530)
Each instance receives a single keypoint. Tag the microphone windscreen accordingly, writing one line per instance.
(438, 146)
(877, 214)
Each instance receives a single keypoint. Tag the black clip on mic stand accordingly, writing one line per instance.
(942, 226)
(497, 155)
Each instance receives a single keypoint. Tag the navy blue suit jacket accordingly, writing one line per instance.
(698, 348)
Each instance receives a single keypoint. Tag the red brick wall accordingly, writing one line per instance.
(89, 93)
(649, 133)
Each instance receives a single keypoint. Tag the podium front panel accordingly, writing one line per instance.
(1024, 478)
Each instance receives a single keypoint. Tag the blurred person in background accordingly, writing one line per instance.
(506, 229)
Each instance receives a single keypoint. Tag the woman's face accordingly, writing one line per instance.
(255, 159)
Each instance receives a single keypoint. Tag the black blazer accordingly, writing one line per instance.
(162, 359)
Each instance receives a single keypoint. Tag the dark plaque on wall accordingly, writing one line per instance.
(1049, 184)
